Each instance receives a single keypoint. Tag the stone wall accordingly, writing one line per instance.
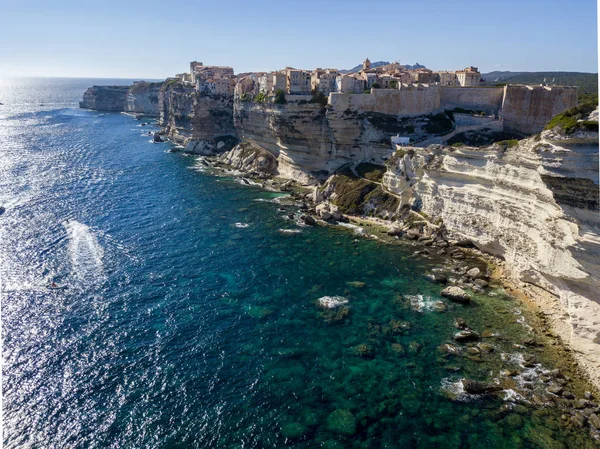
(409, 100)
(488, 99)
(528, 109)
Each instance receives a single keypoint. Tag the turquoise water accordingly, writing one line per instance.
(190, 317)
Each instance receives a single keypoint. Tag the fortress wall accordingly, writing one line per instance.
(488, 99)
(528, 109)
(409, 100)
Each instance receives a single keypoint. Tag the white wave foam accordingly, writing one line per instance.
(455, 390)
(420, 303)
(357, 229)
(85, 252)
(290, 231)
(331, 302)
(241, 225)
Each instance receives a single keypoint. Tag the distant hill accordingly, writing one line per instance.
(587, 82)
(376, 64)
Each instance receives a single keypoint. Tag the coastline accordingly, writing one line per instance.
(538, 306)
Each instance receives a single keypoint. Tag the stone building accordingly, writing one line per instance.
(447, 78)
(265, 82)
(468, 77)
(323, 80)
(297, 82)
(351, 84)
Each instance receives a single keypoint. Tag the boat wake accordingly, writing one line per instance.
(85, 253)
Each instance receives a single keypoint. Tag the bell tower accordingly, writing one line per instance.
(366, 64)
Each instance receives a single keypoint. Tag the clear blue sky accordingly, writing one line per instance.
(156, 39)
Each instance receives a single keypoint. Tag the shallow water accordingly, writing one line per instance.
(191, 314)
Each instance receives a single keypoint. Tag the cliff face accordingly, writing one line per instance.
(535, 206)
(202, 123)
(141, 98)
(311, 141)
(105, 98)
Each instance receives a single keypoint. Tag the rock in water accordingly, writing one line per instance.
(456, 294)
(342, 422)
(307, 219)
(331, 302)
(474, 387)
(466, 335)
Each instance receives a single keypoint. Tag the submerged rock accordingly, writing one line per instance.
(356, 284)
(341, 421)
(456, 294)
(293, 431)
(307, 219)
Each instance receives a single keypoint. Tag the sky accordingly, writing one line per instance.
(154, 39)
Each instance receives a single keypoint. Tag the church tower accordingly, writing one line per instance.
(366, 64)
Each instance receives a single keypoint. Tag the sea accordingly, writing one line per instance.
(190, 310)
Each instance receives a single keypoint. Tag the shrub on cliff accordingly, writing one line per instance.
(260, 98)
(280, 97)
(568, 121)
(319, 98)
(393, 84)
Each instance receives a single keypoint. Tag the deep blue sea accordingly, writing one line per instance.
(190, 317)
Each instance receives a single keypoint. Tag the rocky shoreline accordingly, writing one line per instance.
(461, 268)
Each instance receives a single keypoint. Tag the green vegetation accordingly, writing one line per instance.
(508, 143)
(568, 121)
(260, 98)
(371, 172)
(390, 124)
(439, 124)
(319, 98)
(393, 84)
(468, 111)
(170, 83)
(482, 138)
(376, 86)
(383, 202)
(457, 144)
(367, 91)
(280, 97)
(140, 87)
(350, 191)
(587, 82)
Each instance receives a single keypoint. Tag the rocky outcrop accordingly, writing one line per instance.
(248, 158)
(105, 98)
(202, 123)
(534, 205)
(140, 98)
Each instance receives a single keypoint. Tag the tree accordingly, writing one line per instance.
(280, 97)
(375, 85)
(393, 84)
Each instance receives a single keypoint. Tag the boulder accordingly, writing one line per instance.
(474, 387)
(473, 273)
(456, 294)
(466, 336)
(439, 278)
(395, 232)
(412, 234)
(594, 421)
(307, 219)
